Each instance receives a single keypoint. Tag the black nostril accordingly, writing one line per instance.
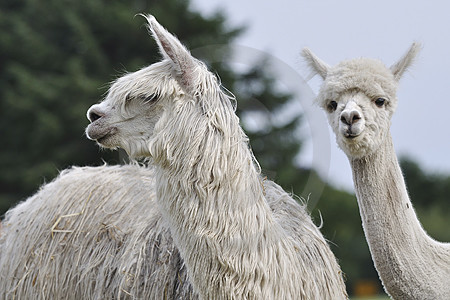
(355, 118)
(93, 115)
(344, 120)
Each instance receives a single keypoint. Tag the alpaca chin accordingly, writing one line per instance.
(108, 141)
(358, 147)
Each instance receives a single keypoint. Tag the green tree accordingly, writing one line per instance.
(429, 194)
(273, 141)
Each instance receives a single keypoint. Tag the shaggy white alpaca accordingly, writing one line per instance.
(97, 233)
(92, 233)
(234, 244)
(359, 97)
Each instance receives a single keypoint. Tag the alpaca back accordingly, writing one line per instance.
(92, 233)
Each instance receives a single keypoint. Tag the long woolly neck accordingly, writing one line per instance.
(211, 193)
(406, 258)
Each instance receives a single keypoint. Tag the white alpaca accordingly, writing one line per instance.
(92, 233)
(359, 97)
(97, 233)
(234, 245)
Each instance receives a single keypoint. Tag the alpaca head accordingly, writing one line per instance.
(145, 108)
(359, 98)
(133, 105)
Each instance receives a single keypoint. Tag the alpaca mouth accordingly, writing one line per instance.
(349, 134)
(99, 134)
(100, 140)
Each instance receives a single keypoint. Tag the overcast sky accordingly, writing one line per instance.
(338, 30)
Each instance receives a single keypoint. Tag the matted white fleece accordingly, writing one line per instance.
(112, 244)
(116, 244)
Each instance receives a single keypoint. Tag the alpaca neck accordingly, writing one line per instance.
(219, 229)
(402, 251)
(211, 194)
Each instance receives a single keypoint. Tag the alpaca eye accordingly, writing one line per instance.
(380, 102)
(332, 106)
(150, 98)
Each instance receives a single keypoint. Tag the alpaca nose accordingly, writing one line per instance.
(350, 117)
(94, 113)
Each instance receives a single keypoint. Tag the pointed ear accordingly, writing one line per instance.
(407, 59)
(184, 64)
(315, 63)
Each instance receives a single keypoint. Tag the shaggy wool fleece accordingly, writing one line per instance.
(97, 233)
(92, 233)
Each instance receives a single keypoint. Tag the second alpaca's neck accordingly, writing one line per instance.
(406, 258)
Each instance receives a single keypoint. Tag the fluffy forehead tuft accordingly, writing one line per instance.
(367, 75)
(154, 79)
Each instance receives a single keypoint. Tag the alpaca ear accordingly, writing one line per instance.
(316, 64)
(407, 59)
(184, 64)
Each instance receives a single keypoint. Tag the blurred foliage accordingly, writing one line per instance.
(430, 194)
(57, 56)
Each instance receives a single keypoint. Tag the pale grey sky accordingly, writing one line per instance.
(337, 30)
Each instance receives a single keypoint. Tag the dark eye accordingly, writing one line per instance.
(332, 106)
(147, 98)
(380, 102)
(150, 98)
